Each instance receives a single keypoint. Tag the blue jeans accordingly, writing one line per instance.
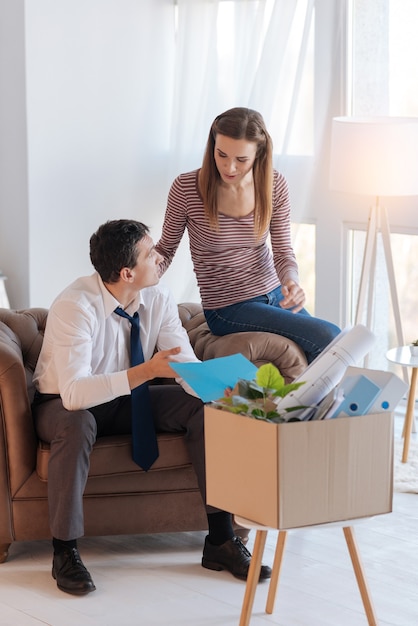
(264, 314)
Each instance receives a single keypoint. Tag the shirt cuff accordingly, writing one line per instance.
(120, 384)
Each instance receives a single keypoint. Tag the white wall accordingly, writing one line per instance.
(14, 212)
(92, 154)
(79, 149)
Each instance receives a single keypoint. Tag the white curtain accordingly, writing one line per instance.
(237, 53)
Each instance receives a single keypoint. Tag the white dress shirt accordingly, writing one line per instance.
(85, 353)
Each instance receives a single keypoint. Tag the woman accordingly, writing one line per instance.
(229, 208)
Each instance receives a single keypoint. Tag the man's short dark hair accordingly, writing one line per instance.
(113, 247)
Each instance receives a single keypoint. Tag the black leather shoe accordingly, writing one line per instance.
(232, 556)
(240, 532)
(70, 573)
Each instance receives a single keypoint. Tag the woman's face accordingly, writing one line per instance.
(234, 159)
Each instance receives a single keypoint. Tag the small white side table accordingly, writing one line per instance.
(403, 356)
(4, 300)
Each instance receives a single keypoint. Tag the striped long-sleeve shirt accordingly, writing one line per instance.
(230, 263)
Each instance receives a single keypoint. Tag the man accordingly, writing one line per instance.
(85, 382)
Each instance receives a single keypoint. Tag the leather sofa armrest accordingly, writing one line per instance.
(257, 347)
(18, 433)
(20, 341)
(17, 436)
(261, 348)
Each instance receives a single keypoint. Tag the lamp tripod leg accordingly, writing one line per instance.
(367, 275)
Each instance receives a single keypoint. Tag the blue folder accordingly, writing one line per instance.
(209, 379)
(359, 395)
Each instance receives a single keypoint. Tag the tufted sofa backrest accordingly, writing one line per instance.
(23, 332)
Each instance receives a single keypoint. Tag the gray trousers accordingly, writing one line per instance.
(72, 434)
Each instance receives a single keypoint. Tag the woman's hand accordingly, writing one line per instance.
(294, 296)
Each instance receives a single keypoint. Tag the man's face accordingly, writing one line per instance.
(146, 270)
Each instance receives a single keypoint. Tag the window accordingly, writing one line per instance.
(384, 52)
(385, 49)
(303, 238)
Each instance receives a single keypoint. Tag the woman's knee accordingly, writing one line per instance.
(330, 331)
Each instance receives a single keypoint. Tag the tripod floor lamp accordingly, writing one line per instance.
(375, 156)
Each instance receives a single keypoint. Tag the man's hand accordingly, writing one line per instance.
(157, 367)
(294, 296)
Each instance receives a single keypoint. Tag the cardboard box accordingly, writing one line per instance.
(299, 473)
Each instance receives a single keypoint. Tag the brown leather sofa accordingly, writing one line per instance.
(120, 498)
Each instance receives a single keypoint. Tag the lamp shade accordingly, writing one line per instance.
(375, 156)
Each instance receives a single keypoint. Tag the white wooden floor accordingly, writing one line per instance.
(158, 579)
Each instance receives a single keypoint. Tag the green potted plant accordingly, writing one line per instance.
(414, 348)
(258, 398)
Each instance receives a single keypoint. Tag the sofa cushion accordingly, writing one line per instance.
(113, 456)
(257, 347)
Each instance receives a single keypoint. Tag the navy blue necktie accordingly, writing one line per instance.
(144, 440)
